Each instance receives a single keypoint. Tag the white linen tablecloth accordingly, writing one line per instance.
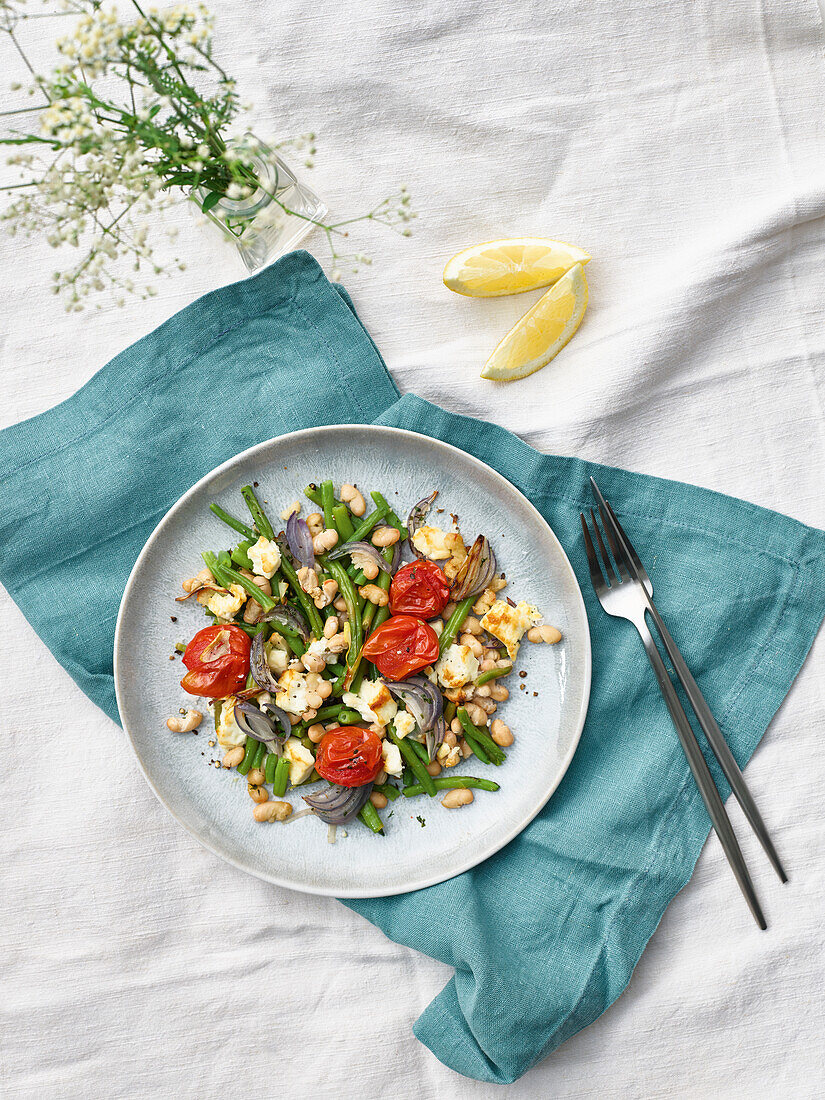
(682, 143)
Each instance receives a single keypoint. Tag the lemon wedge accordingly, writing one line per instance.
(543, 330)
(510, 266)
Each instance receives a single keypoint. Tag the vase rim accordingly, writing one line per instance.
(260, 197)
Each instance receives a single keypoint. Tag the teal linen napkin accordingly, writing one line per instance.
(545, 935)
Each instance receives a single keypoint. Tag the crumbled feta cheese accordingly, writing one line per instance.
(378, 699)
(438, 545)
(508, 624)
(229, 734)
(457, 666)
(294, 691)
(404, 723)
(431, 542)
(392, 758)
(301, 760)
(226, 605)
(373, 702)
(278, 655)
(265, 557)
(321, 649)
(355, 702)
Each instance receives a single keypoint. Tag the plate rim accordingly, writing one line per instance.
(426, 881)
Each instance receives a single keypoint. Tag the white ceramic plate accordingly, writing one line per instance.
(213, 804)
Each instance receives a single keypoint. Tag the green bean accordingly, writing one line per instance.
(476, 748)
(369, 816)
(391, 516)
(357, 676)
(269, 767)
(281, 777)
(328, 503)
(388, 790)
(347, 590)
(416, 765)
(372, 616)
(381, 617)
(325, 713)
(316, 625)
(476, 736)
(492, 674)
(250, 680)
(367, 617)
(419, 751)
(451, 783)
(258, 514)
(449, 712)
(250, 749)
(251, 589)
(213, 566)
(349, 717)
(292, 639)
(240, 556)
(259, 755)
(367, 524)
(328, 712)
(252, 628)
(313, 493)
(343, 522)
(454, 624)
(236, 524)
(307, 743)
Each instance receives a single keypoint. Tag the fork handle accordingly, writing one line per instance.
(701, 773)
(717, 742)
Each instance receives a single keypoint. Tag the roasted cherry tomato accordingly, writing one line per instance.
(349, 756)
(218, 661)
(419, 589)
(401, 646)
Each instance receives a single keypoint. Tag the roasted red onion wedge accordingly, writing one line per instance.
(337, 805)
(272, 727)
(261, 672)
(290, 617)
(435, 736)
(418, 514)
(476, 572)
(425, 703)
(299, 541)
(361, 548)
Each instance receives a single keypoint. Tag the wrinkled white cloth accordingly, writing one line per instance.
(681, 142)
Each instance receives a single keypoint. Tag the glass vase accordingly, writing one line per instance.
(258, 225)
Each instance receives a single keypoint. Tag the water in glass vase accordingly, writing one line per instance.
(259, 225)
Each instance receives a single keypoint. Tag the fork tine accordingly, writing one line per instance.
(618, 551)
(608, 568)
(596, 577)
(637, 561)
